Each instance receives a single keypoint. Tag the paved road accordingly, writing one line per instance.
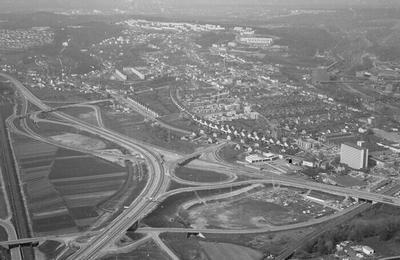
(12, 235)
(291, 249)
(140, 207)
(33, 135)
(288, 252)
(157, 185)
(14, 192)
(301, 183)
(257, 230)
(125, 249)
(397, 257)
(162, 245)
(231, 176)
(69, 103)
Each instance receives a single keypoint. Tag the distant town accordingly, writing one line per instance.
(147, 138)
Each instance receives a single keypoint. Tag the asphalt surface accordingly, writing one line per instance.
(291, 249)
(13, 188)
(159, 180)
(140, 207)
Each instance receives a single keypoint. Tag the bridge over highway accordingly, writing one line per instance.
(190, 157)
(158, 183)
(32, 242)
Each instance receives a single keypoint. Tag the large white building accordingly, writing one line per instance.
(131, 71)
(264, 41)
(354, 155)
(118, 75)
(256, 158)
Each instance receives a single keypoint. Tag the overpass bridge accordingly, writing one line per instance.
(35, 241)
(190, 157)
(23, 242)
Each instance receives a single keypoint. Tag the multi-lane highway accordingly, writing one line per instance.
(159, 177)
(13, 188)
(300, 183)
(156, 185)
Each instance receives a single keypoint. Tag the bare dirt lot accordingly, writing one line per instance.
(259, 208)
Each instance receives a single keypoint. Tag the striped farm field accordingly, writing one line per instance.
(68, 191)
(78, 167)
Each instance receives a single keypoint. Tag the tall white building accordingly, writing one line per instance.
(354, 155)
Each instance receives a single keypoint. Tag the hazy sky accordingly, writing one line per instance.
(111, 4)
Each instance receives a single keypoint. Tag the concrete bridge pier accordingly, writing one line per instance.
(9, 247)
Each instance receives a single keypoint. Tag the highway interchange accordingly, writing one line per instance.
(160, 175)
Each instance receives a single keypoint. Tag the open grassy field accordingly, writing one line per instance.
(3, 205)
(121, 119)
(122, 122)
(85, 114)
(76, 111)
(4, 254)
(179, 121)
(136, 126)
(193, 248)
(79, 141)
(69, 135)
(3, 234)
(197, 175)
(78, 167)
(90, 187)
(148, 250)
(175, 185)
(51, 248)
(159, 101)
(229, 154)
(226, 251)
(134, 236)
(49, 225)
(348, 181)
(49, 129)
(156, 135)
(73, 96)
(267, 243)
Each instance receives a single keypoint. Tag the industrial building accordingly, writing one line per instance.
(263, 41)
(256, 158)
(119, 76)
(133, 71)
(354, 155)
